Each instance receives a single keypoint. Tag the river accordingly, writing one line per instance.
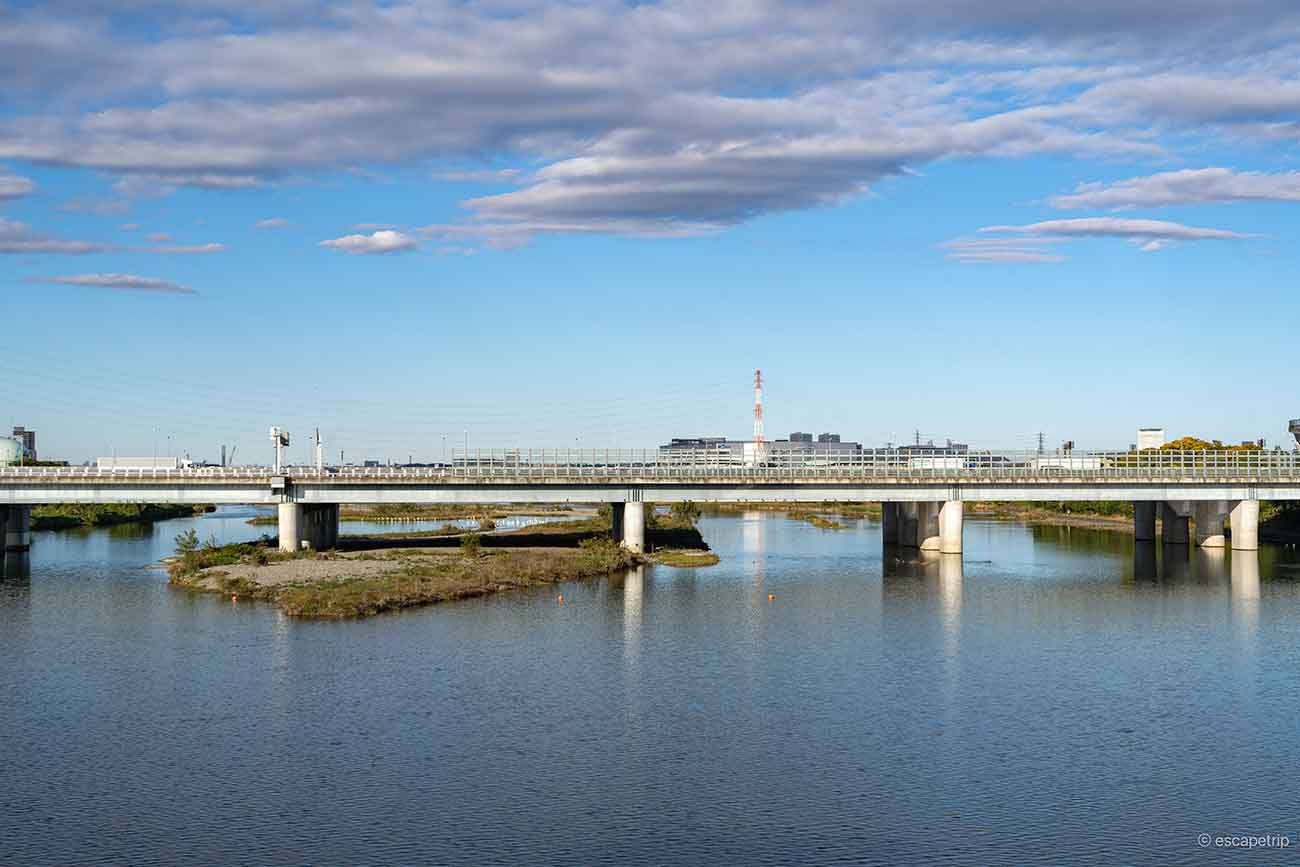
(1055, 697)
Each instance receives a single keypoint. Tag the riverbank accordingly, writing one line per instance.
(335, 585)
(68, 515)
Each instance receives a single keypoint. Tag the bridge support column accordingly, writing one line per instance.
(290, 521)
(927, 526)
(1245, 525)
(889, 523)
(616, 517)
(1208, 516)
(1173, 529)
(1144, 521)
(634, 527)
(909, 525)
(950, 525)
(318, 526)
(18, 529)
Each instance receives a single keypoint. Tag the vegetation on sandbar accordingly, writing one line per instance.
(415, 578)
(684, 558)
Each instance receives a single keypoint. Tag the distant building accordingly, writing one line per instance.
(799, 448)
(151, 463)
(1150, 437)
(28, 439)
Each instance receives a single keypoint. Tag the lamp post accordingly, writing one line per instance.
(155, 449)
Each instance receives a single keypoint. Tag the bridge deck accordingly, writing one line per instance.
(594, 476)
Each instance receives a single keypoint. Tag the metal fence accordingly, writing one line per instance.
(613, 466)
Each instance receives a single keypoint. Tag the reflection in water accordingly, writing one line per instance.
(1144, 561)
(1175, 566)
(751, 536)
(1210, 567)
(17, 566)
(633, 594)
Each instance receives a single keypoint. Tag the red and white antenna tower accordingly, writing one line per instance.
(758, 408)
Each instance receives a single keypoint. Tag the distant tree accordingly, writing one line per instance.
(1196, 444)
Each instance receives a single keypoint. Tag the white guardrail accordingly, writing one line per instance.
(613, 465)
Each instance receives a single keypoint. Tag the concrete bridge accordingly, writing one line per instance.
(923, 493)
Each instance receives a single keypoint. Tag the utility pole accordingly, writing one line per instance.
(1041, 438)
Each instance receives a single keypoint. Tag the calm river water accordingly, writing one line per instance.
(1057, 699)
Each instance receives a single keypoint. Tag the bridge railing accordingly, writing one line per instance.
(750, 464)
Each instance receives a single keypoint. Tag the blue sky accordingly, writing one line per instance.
(587, 223)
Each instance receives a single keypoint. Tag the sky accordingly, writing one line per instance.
(520, 224)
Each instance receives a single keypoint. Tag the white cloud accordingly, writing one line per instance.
(118, 281)
(271, 223)
(384, 241)
(1113, 227)
(1010, 255)
(1187, 187)
(659, 119)
(187, 249)
(15, 186)
(16, 237)
(1037, 242)
(159, 237)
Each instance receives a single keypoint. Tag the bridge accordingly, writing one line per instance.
(923, 492)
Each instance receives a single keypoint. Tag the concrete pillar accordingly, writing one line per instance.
(889, 523)
(1208, 516)
(1144, 520)
(908, 525)
(927, 526)
(616, 521)
(18, 529)
(1245, 526)
(1173, 529)
(950, 521)
(318, 526)
(634, 527)
(290, 521)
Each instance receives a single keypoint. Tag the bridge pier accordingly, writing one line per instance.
(1144, 520)
(1208, 515)
(1173, 523)
(616, 516)
(951, 513)
(633, 527)
(927, 526)
(1244, 520)
(313, 525)
(18, 528)
(907, 527)
(889, 523)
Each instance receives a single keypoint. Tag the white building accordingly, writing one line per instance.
(1151, 437)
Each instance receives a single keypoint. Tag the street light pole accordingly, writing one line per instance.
(155, 449)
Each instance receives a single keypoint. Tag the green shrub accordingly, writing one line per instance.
(470, 544)
(187, 541)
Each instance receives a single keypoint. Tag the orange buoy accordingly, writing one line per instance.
(559, 599)
(234, 598)
(771, 596)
